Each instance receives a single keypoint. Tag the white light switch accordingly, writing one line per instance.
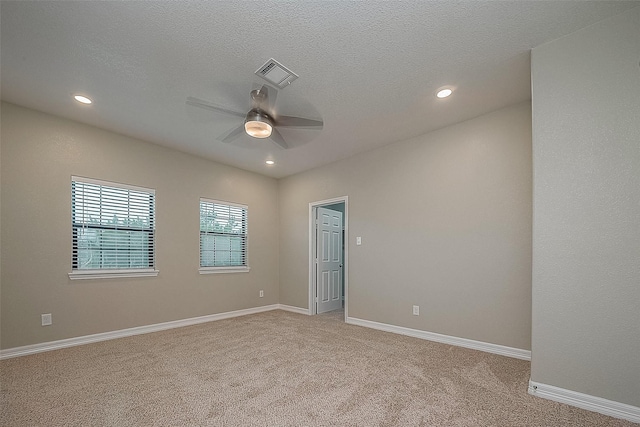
(358, 241)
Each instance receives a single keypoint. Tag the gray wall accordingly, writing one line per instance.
(445, 220)
(39, 154)
(586, 238)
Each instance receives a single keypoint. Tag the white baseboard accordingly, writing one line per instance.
(293, 309)
(87, 339)
(445, 339)
(586, 401)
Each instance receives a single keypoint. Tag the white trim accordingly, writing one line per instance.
(585, 401)
(293, 309)
(112, 274)
(502, 350)
(342, 199)
(215, 270)
(105, 336)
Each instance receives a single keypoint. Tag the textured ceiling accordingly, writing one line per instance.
(368, 69)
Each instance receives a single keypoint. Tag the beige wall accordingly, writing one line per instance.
(586, 240)
(39, 154)
(457, 200)
(445, 221)
(0, 228)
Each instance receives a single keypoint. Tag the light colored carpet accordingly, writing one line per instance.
(276, 369)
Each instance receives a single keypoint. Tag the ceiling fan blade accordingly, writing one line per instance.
(233, 134)
(210, 106)
(278, 139)
(300, 122)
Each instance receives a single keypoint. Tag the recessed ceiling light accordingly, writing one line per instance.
(82, 99)
(270, 162)
(444, 93)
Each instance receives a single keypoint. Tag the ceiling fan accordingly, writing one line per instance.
(261, 121)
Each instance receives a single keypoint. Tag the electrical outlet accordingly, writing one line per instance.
(358, 241)
(261, 293)
(416, 310)
(46, 319)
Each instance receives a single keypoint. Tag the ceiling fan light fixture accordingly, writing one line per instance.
(258, 125)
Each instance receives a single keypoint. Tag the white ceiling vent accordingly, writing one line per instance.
(276, 73)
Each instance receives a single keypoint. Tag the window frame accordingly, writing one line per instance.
(224, 269)
(110, 273)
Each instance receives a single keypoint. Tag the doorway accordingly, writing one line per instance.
(328, 255)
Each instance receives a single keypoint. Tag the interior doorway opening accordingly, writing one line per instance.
(328, 255)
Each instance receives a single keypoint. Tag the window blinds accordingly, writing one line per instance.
(113, 225)
(223, 234)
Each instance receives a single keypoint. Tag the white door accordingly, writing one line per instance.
(328, 260)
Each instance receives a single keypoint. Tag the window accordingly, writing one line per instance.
(113, 230)
(223, 237)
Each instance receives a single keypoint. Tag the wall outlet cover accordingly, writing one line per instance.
(46, 319)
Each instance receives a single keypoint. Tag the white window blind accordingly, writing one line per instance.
(223, 234)
(113, 226)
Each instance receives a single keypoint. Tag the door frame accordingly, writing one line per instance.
(312, 242)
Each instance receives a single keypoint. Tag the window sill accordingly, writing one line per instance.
(216, 270)
(111, 274)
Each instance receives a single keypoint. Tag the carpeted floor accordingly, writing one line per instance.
(275, 369)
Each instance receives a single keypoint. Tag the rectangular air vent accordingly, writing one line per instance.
(276, 74)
